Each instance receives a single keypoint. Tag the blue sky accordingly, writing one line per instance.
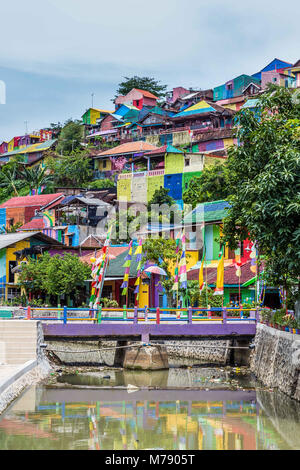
(56, 53)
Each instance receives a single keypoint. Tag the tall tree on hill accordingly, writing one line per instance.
(70, 137)
(142, 83)
(264, 182)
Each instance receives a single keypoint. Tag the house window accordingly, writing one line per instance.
(187, 161)
(13, 292)
(11, 276)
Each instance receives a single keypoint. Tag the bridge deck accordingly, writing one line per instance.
(144, 331)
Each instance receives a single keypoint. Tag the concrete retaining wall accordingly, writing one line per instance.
(276, 360)
(213, 351)
(22, 359)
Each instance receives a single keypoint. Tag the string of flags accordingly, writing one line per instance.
(98, 272)
(182, 264)
(127, 265)
(176, 272)
(201, 278)
(138, 254)
(253, 257)
(219, 290)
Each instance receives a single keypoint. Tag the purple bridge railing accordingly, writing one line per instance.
(138, 323)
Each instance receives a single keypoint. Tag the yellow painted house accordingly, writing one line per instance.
(14, 250)
(92, 114)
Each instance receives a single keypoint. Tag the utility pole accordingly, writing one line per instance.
(26, 127)
(92, 94)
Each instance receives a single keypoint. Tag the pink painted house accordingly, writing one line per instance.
(137, 98)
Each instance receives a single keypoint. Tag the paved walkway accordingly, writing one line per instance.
(7, 371)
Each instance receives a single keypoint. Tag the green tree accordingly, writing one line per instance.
(264, 182)
(70, 170)
(211, 185)
(100, 184)
(142, 83)
(161, 196)
(71, 136)
(10, 178)
(54, 275)
(36, 177)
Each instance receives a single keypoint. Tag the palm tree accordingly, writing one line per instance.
(9, 178)
(36, 177)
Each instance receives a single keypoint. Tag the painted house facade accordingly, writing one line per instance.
(166, 167)
(14, 249)
(137, 98)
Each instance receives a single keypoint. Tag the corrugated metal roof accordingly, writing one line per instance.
(129, 147)
(11, 238)
(207, 212)
(29, 201)
(31, 148)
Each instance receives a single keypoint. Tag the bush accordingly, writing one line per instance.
(100, 184)
(108, 303)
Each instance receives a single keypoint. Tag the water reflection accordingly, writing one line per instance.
(50, 418)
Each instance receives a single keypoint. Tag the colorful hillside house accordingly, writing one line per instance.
(243, 84)
(93, 114)
(15, 248)
(137, 98)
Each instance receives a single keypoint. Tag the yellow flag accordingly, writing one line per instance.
(219, 290)
(201, 281)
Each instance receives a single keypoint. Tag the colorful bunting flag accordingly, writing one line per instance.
(138, 253)
(176, 277)
(182, 265)
(126, 265)
(99, 267)
(219, 290)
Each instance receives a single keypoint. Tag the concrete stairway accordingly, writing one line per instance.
(18, 341)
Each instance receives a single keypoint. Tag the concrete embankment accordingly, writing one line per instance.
(276, 360)
(213, 351)
(22, 359)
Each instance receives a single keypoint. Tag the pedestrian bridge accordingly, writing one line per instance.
(145, 324)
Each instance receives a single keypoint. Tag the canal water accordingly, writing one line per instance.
(177, 409)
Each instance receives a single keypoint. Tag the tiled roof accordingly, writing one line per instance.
(29, 201)
(207, 212)
(147, 94)
(158, 151)
(113, 250)
(129, 147)
(230, 277)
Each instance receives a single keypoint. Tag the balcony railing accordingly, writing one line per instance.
(137, 174)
